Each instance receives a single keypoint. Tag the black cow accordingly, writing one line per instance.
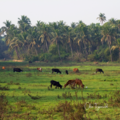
(55, 83)
(17, 70)
(99, 70)
(66, 72)
(56, 70)
(30, 61)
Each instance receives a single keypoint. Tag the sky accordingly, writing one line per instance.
(55, 10)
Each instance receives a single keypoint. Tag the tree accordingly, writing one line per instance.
(57, 34)
(82, 36)
(101, 18)
(108, 33)
(44, 34)
(118, 41)
(24, 23)
(69, 36)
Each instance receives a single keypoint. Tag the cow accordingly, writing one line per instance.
(99, 70)
(66, 72)
(56, 70)
(3, 68)
(79, 82)
(30, 61)
(76, 82)
(17, 70)
(39, 69)
(75, 70)
(70, 82)
(55, 83)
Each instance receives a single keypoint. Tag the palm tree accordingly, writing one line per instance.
(82, 36)
(24, 23)
(101, 18)
(15, 43)
(32, 39)
(118, 41)
(5, 28)
(44, 34)
(112, 21)
(57, 34)
(69, 36)
(109, 34)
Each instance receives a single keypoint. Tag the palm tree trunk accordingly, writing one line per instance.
(110, 52)
(71, 47)
(59, 53)
(46, 45)
(58, 49)
(16, 50)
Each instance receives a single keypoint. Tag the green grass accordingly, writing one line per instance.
(100, 88)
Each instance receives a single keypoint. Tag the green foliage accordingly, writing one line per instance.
(31, 58)
(51, 41)
(53, 49)
(115, 54)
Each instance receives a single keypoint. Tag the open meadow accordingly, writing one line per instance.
(27, 95)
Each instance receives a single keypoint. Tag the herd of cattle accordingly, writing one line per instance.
(72, 83)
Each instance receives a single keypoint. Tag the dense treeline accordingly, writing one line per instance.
(57, 41)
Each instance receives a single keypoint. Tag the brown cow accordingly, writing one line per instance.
(75, 70)
(76, 82)
(79, 82)
(39, 69)
(3, 68)
(70, 82)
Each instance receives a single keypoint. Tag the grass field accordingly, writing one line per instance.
(27, 95)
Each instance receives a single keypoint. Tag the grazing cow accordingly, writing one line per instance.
(55, 83)
(75, 70)
(79, 82)
(3, 68)
(30, 61)
(17, 70)
(70, 82)
(56, 70)
(99, 70)
(76, 82)
(66, 72)
(39, 69)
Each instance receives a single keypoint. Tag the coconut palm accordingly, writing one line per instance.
(108, 34)
(57, 34)
(69, 36)
(118, 44)
(82, 36)
(44, 34)
(101, 18)
(24, 23)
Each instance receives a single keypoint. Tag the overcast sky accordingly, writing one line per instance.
(55, 10)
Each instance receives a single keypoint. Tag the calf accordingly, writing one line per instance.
(56, 70)
(99, 70)
(17, 70)
(39, 69)
(66, 72)
(55, 83)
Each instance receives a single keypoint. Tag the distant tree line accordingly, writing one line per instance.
(56, 41)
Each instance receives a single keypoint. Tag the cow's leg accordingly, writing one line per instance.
(51, 85)
(56, 87)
